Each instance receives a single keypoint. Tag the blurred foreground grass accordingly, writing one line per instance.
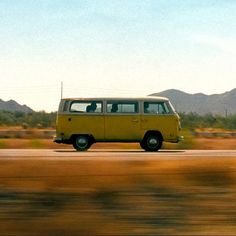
(89, 197)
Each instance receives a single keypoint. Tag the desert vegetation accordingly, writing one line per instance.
(194, 120)
(39, 119)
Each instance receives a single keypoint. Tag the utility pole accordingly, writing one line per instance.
(61, 89)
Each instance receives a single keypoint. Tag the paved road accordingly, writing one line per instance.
(113, 154)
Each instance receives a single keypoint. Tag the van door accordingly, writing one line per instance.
(158, 116)
(122, 121)
(86, 117)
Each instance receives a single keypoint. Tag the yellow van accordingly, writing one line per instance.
(148, 120)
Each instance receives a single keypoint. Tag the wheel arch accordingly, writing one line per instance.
(90, 136)
(153, 132)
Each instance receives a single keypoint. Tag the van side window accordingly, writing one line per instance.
(122, 107)
(86, 106)
(156, 108)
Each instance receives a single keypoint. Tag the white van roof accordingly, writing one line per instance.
(146, 98)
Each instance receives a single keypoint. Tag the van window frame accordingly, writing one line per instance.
(86, 113)
(104, 102)
(66, 106)
(107, 102)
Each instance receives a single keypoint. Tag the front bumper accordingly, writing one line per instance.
(176, 139)
(180, 138)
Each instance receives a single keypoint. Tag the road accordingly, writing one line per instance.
(113, 154)
(117, 192)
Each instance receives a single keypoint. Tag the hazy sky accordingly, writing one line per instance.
(114, 47)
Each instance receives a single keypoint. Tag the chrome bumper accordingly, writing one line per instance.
(180, 138)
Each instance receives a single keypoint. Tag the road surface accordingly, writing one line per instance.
(117, 192)
(113, 154)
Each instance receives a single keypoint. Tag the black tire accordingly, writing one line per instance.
(151, 143)
(82, 143)
(142, 145)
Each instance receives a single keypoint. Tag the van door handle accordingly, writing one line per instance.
(135, 120)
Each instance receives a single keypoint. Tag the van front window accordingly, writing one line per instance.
(156, 108)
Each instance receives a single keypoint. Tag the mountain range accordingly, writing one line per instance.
(12, 105)
(222, 104)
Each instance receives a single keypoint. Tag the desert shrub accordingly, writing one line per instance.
(194, 120)
(26, 120)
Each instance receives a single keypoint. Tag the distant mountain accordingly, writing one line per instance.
(12, 105)
(200, 103)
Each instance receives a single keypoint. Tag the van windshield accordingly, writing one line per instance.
(159, 107)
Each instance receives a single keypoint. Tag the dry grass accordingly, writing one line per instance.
(191, 197)
(215, 143)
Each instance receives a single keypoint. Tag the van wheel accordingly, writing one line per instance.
(81, 143)
(151, 143)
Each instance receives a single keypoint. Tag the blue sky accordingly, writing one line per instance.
(114, 47)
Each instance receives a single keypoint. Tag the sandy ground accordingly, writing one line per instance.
(215, 143)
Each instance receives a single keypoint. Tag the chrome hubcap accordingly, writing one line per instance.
(82, 141)
(152, 142)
